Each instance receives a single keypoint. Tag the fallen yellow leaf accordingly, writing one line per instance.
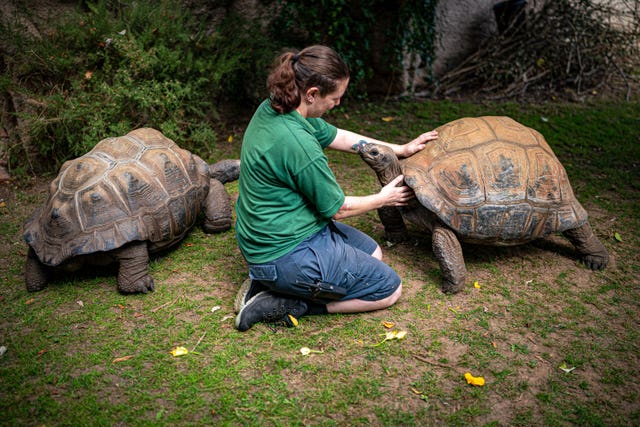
(179, 351)
(230, 139)
(293, 320)
(391, 335)
(477, 381)
(476, 285)
(388, 325)
(387, 119)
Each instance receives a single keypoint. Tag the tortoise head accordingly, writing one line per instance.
(225, 170)
(381, 159)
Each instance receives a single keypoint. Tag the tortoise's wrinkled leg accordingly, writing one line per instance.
(133, 274)
(593, 253)
(217, 209)
(395, 230)
(448, 252)
(35, 272)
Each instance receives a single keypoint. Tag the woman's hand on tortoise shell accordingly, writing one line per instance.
(417, 144)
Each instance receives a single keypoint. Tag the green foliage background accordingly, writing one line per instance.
(347, 26)
(115, 65)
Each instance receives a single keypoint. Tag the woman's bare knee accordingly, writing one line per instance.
(359, 306)
(393, 298)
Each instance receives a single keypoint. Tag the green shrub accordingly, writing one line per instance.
(116, 66)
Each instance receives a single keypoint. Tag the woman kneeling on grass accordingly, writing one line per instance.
(302, 261)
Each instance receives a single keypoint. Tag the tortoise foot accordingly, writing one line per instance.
(449, 287)
(396, 237)
(143, 285)
(448, 252)
(596, 261)
(133, 275)
(35, 273)
(211, 226)
(217, 209)
(35, 287)
(592, 252)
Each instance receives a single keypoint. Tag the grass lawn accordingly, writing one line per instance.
(556, 343)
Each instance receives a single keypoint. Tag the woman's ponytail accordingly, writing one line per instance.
(295, 72)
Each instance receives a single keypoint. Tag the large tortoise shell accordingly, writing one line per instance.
(494, 180)
(139, 187)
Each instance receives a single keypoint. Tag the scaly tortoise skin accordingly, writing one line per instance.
(127, 197)
(485, 180)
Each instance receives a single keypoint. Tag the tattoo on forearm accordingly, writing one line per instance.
(356, 147)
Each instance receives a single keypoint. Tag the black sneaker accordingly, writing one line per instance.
(269, 307)
(248, 290)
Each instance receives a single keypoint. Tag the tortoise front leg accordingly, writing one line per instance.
(395, 230)
(593, 253)
(133, 274)
(217, 209)
(448, 252)
(35, 272)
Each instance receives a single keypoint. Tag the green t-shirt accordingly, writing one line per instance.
(287, 190)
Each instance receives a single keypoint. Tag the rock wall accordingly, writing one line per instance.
(461, 26)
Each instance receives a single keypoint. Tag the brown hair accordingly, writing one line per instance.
(295, 72)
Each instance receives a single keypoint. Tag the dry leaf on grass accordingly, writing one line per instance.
(179, 351)
(477, 381)
(392, 335)
(307, 351)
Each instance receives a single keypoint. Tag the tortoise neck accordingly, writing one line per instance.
(387, 174)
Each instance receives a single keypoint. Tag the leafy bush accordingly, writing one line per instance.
(115, 65)
(121, 65)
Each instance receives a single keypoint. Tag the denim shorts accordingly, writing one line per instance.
(333, 264)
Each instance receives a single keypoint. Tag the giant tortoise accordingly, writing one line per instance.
(485, 180)
(127, 197)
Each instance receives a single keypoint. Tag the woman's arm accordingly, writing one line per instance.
(390, 195)
(348, 141)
